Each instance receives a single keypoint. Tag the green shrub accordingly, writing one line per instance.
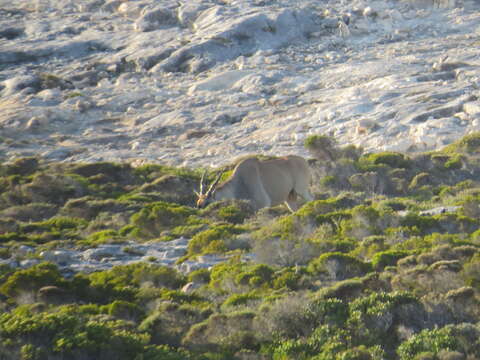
(288, 279)
(392, 159)
(228, 332)
(338, 266)
(123, 282)
(260, 274)
(232, 214)
(365, 221)
(157, 217)
(329, 181)
(222, 275)
(32, 279)
(226, 276)
(179, 296)
(377, 303)
(469, 144)
(199, 276)
(54, 228)
(124, 310)
(321, 147)
(363, 353)
(165, 352)
(12, 236)
(371, 317)
(350, 289)
(433, 341)
(187, 230)
(170, 322)
(64, 334)
(471, 272)
(33, 211)
(419, 180)
(297, 238)
(322, 207)
(149, 172)
(103, 237)
(425, 224)
(140, 274)
(285, 228)
(241, 299)
(5, 253)
(23, 166)
(31, 352)
(387, 258)
(455, 162)
(111, 171)
(213, 239)
(331, 311)
(326, 342)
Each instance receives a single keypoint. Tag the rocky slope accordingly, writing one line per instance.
(202, 82)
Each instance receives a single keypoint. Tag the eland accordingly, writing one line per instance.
(263, 182)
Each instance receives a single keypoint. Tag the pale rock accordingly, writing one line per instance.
(57, 256)
(103, 251)
(83, 105)
(181, 241)
(462, 116)
(60, 153)
(36, 123)
(364, 126)
(190, 287)
(210, 259)
(28, 263)
(220, 82)
(51, 96)
(343, 29)
(368, 11)
(153, 19)
(23, 250)
(11, 262)
(189, 11)
(20, 82)
(112, 5)
(175, 252)
(403, 144)
(472, 108)
(298, 138)
(130, 9)
(135, 145)
(439, 210)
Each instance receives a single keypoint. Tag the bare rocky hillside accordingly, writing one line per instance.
(201, 82)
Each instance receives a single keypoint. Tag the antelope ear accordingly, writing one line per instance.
(196, 193)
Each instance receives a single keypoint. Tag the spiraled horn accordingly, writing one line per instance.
(214, 184)
(202, 181)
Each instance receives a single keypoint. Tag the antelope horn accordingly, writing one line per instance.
(202, 180)
(212, 187)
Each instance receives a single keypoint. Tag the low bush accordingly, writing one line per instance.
(387, 258)
(213, 239)
(391, 159)
(338, 266)
(28, 281)
(159, 216)
(432, 341)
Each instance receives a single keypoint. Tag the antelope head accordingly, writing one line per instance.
(205, 198)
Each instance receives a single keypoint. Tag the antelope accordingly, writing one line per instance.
(263, 182)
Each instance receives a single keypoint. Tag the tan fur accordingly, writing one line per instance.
(265, 183)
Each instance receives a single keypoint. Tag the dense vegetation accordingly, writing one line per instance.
(384, 264)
